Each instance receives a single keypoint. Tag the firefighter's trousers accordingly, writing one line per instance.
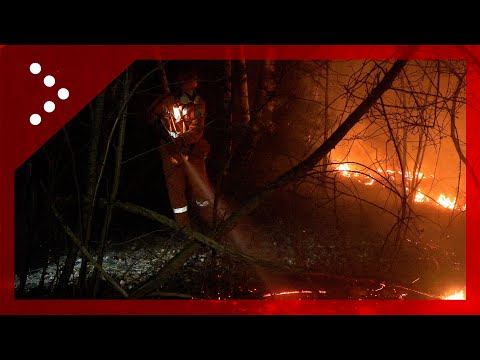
(183, 173)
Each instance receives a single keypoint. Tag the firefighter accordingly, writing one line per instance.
(180, 119)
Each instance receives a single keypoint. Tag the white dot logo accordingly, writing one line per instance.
(49, 81)
(49, 106)
(63, 94)
(35, 119)
(35, 68)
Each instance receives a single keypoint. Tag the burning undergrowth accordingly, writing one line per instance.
(396, 181)
(345, 228)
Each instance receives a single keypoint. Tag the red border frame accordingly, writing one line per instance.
(88, 69)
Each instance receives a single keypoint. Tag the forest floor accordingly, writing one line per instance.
(339, 251)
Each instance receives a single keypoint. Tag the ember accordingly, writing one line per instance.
(293, 292)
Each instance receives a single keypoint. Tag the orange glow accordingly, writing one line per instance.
(369, 180)
(456, 296)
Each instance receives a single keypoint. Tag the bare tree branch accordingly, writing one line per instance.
(89, 256)
(191, 235)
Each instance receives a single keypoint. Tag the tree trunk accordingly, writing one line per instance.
(226, 151)
(326, 127)
(29, 191)
(87, 209)
(404, 147)
(163, 77)
(264, 104)
(165, 89)
(244, 100)
(88, 206)
(115, 185)
(261, 121)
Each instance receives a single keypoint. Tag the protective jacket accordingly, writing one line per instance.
(181, 121)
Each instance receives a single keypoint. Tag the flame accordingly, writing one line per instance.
(456, 296)
(345, 169)
(419, 197)
(409, 175)
(368, 180)
(446, 202)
